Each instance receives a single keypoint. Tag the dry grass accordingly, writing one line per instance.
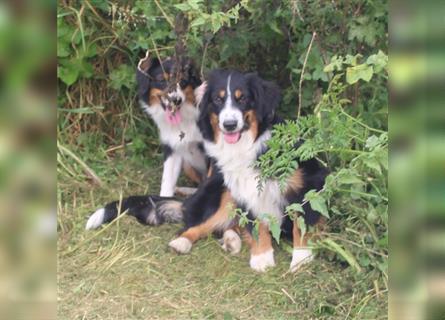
(127, 272)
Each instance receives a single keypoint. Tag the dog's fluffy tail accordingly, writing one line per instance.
(149, 210)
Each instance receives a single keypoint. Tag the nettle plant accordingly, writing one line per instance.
(354, 197)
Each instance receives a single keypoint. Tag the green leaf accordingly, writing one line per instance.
(348, 177)
(362, 71)
(197, 22)
(372, 142)
(373, 164)
(275, 229)
(295, 207)
(273, 25)
(379, 61)
(317, 202)
(68, 74)
(122, 76)
(182, 6)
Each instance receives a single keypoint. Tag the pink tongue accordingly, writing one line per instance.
(173, 118)
(232, 137)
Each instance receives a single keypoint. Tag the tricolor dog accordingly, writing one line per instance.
(166, 93)
(237, 112)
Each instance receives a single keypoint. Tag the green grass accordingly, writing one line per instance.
(126, 270)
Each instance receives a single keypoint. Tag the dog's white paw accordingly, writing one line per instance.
(231, 242)
(96, 219)
(181, 245)
(300, 257)
(262, 261)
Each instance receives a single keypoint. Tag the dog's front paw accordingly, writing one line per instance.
(262, 261)
(231, 242)
(300, 257)
(181, 245)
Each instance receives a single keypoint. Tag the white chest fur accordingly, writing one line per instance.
(237, 164)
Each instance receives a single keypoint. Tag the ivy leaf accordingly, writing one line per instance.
(362, 71)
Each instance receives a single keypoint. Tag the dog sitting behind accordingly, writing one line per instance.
(166, 93)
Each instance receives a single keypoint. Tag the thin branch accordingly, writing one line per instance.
(314, 34)
(203, 60)
(361, 123)
(88, 170)
(170, 22)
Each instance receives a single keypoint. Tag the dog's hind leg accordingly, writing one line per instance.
(219, 220)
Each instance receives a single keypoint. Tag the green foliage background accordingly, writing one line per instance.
(344, 100)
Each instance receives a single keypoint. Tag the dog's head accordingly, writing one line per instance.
(233, 103)
(163, 84)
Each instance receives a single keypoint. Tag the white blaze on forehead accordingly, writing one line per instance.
(229, 112)
(178, 93)
(229, 95)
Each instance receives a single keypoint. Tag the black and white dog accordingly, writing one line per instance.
(166, 93)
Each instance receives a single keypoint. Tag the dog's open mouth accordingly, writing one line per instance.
(232, 137)
(173, 116)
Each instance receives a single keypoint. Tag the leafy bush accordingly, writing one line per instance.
(338, 86)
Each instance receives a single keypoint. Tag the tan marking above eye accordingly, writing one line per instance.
(166, 76)
(222, 93)
(238, 93)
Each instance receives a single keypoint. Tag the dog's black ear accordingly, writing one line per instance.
(204, 106)
(266, 96)
(192, 73)
(143, 77)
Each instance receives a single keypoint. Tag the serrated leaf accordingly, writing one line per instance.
(317, 202)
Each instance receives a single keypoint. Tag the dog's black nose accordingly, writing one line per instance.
(230, 125)
(177, 101)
